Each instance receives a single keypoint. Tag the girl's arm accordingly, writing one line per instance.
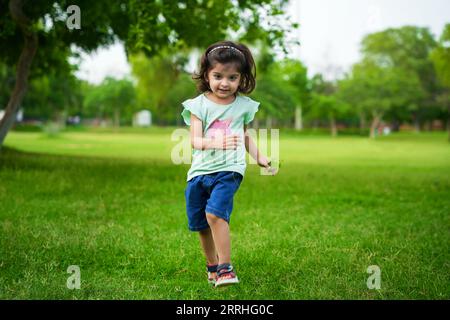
(252, 149)
(201, 143)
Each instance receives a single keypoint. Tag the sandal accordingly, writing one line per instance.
(225, 275)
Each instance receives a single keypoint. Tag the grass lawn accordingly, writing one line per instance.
(113, 204)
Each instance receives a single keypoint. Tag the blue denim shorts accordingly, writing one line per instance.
(212, 193)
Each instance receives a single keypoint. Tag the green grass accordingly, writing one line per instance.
(113, 204)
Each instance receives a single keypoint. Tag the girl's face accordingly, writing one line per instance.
(224, 80)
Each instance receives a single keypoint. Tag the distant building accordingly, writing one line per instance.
(75, 120)
(384, 129)
(142, 118)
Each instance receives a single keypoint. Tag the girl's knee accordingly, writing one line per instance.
(212, 218)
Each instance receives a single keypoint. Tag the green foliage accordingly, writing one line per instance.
(376, 90)
(441, 57)
(162, 84)
(404, 51)
(148, 27)
(294, 76)
(110, 99)
(281, 87)
(51, 94)
(324, 101)
(274, 97)
(20, 127)
(404, 73)
(406, 47)
(171, 107)
(52, 130)
(155, 79)
(100, 21)
(7, 79)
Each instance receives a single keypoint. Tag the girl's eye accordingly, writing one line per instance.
(232, 78)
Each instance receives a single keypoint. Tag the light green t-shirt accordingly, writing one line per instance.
(219, 119)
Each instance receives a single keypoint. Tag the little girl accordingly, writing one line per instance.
(218, 120)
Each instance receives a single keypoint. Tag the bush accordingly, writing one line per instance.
(52, 129)
(26, 127)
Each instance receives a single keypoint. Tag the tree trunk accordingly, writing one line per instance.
(269, 122)
(375, 123)
(395, 125)
(116, 117)
(255, 124)
(61, 118)
(416, 122)
(333, 126)
(362, 122)
(23, 67)
(298, 118)
(315, 125)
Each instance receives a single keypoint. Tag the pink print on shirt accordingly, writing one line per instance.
(219, 128)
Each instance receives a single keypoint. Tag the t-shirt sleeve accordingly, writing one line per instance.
(190, 107)
(253, 107)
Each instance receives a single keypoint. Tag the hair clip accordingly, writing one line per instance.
(226, 47)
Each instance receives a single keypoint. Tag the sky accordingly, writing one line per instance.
(330, 33)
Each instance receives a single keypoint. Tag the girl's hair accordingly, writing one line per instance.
(238, 54)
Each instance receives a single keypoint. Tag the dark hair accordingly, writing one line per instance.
(242, 58)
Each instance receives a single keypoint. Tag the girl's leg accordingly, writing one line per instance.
(221, 235)
(207, 242)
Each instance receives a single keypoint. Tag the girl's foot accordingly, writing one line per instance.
(212, 273)
(226, 275)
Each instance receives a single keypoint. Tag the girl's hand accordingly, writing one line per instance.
(226, 142)
(265, 163)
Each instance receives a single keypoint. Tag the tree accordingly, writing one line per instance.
(7, 81)
(406, 49)
(325, 103)
(53, 96)
(171, 107)
(375, 90)
(155, 79)
(147, 26)
(276, 98)
(441, 61)
(295, 77)
(279, 86)
(111, 98)
(352, 92)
